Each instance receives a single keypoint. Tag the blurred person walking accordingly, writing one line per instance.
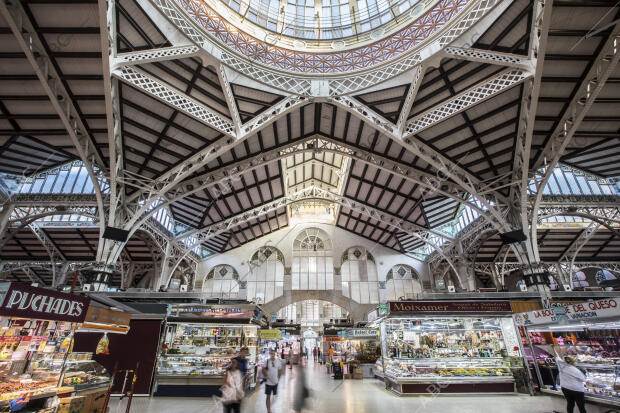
(233, 388)
(272, 371)
(302, 393)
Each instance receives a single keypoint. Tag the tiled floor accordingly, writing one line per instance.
(354, 396)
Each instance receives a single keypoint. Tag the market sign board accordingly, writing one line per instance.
(449, 307)
(25, 301)
(221, 312)
(358, 333)
(270, 334)
(606, 308)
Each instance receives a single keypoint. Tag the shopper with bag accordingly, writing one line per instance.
(233, 388)
(271, 370)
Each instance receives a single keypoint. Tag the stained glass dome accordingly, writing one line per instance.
(324, 19)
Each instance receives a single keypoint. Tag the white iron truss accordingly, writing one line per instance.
(594, 82)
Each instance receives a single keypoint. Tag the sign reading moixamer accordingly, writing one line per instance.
(607, 308)
(25, 301)
(449, 307)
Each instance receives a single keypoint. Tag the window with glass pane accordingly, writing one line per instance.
(221, 282)
(312, 267)
(265, 282)
(359, 276)
(402, 281)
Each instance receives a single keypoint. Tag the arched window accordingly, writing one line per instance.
(266, 279)
(359, 276)
(402, 281)
(221, 282)
(313, 267)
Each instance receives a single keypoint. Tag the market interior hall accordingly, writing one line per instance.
(273, 206)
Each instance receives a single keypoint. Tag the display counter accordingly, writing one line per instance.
(451, 348)
(589, 332)
(37, 328)
(199, 342)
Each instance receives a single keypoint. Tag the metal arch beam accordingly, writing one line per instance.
(489, 197)
(472, 96)
(50, 247)
(33, 276)
(155, 55)
(603, 221)
(108, 30)
(322, 144)
(539, 31)
(206, 233)
(54, 200)
(230, 97)
(594, 81)
(180, 101)
(418, 77)
(32, 46)
(490, 57)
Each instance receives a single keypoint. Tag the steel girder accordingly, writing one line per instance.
(29, 41)
(210, 231)
(594, 81)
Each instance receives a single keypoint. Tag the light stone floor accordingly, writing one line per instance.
(354, 396)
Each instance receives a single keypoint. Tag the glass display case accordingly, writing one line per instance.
(596, 350)
(461, 354)
(205, 350)
(82, 373)
(588, 332)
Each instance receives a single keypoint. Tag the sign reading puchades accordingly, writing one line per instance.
(25, 301)
(606, 308)
(215, 312)
(449, 307)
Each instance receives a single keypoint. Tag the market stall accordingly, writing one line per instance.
(269, 340)
(451, 347)
(362, 351)
(37, 328)
(588, 331)
(199, 341)
(289, 346)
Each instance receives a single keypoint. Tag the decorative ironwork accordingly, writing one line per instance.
(312, 62)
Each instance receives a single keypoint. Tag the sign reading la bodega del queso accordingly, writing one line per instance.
(579, 311)
(25, 301)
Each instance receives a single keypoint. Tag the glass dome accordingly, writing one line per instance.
(322, 19)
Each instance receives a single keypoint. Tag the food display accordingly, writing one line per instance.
(32, 354)
(458, 351)
(447, 368)
(82, 373)
(588, 332)
(205, 350)
(596, 352)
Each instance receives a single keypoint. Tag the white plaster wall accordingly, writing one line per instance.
(283, 240)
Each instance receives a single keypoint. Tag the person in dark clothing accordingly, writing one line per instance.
(242, 363)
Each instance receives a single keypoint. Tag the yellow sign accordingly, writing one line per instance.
(270, 334)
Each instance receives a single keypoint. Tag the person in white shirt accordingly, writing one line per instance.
(572, 383)
(272, 370)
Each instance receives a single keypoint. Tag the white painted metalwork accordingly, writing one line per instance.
(594, 82)
(490, 57)
(155, 55)
(28, 40)
(175, 98)
(418, 75)
(472, 96)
